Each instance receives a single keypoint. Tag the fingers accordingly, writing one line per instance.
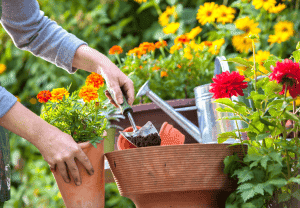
(81, 156)
(107, 94)
(74, 171)
(129, 91)
(118, 94)
(61, 166)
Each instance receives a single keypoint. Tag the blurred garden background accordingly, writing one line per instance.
(191, 34)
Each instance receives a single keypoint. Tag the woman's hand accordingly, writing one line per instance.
(58, 148)
(91, 60)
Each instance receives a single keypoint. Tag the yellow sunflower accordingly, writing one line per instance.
(277, 9)
(58, 94)
(286, 27)
(247, 25)
(194, 32)
(165, 16)
(207, 13)
(277, 38)
(266, 4)
(140, 1)
(171, 28)
(241, 43)
(225, 14)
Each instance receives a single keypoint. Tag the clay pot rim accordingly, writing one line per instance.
(86, 144)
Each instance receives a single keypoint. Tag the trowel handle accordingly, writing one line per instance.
(124, 107)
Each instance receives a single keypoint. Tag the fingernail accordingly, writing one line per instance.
(92, 171)
(78, 183)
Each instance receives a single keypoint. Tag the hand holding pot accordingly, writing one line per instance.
(58, 148)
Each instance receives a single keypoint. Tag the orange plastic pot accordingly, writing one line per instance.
(124, 143)
(170, 135)
(91, 192)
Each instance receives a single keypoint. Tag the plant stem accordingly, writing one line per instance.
(255, 77)
(240, 136)
(118, 59)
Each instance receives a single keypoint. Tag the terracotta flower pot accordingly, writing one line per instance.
(176, 176)
(170, 135)
(124, 143)
(91, 192)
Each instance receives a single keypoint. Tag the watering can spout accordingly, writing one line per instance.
(186, 124)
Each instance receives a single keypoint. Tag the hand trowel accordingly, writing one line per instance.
(145, 136)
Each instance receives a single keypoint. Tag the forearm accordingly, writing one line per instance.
(90, 60)
(27, 124)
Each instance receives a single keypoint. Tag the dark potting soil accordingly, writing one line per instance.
(149, 140)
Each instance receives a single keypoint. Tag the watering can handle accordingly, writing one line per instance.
(220, 65)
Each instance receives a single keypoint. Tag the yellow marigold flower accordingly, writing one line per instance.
(2, 68)
(247, 25)
(286, 27)
(207, 13)
(196, 47)
(115, 50)
(163, 74)
(171, 28)
(216, 45)
(18, 98)
(266, 4)
(33, 101)
(95, 80)
(133, 51)
(277, 9)
(88, 93)
(194, 32)
(187, 53)
(175, 48)
(225, 14)
(58, 94)
(241, 43)
(140, 1)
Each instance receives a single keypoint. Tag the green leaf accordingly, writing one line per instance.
(226, 136)
(246, 195)
(276, 156)
(145, 6)
(245, 175)
(225, 101)
(283, 197)
(231, 164)
(259, 188)
(291, 116)
(241, 61)
(277, 182)
(264, 161)
(296, 55)
(294, 180)
(266, 122)
(248, 205)
(226, 109)
(296, 194)
(298, 46)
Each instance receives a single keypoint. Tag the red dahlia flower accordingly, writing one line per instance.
(228, 84)
(288, 74)
(44, 96)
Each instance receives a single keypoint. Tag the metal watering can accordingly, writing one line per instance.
(209, 125)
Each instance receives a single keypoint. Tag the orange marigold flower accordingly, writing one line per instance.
(207, 43)
(179, 66)
(115, 49)
(182, 39)
(95, 79)
(155, 68)
(147, 46)
(163, 74)
(58, 94)
(133, 51)
(160, 44)
(141, 67)
(88, 93)
(44, 96)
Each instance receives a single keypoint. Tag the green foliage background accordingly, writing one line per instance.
(102, 24)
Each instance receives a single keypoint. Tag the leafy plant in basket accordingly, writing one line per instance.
(268, 175)
(82, 114)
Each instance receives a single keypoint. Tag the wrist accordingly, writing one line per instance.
(91, 60)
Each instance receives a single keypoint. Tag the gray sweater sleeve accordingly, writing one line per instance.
(34, 32)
